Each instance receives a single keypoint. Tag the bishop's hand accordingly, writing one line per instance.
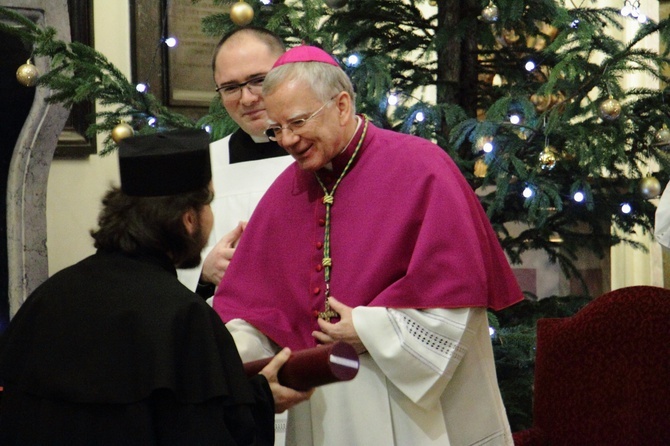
(216, 263)
(340, 331)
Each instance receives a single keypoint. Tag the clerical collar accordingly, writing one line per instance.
(243, 147)
(341, 159)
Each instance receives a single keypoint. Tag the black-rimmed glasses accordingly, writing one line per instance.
(254, 85)
(274, 133)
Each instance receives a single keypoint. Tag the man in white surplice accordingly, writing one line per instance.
(244, 163)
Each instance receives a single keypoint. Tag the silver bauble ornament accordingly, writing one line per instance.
(649, 187)
(548, 158)
(336, 4)
(662, 138)
(27, 74)
(610, 109)
(241, 13)
(122, 131)
(490, 13)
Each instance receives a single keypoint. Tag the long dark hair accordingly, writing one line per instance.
(149, 225)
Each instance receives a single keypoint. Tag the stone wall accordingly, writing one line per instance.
(29, 167)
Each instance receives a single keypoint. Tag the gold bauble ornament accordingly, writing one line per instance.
(480, 168)
(122, 131)
(548, 158)
(432, 2)
(610, 109)
(538, 43)
(27, 74)
(510, 37)
(241, 13)
(490, 13)
(548, 30)
(662, 138)
(541, 102)
(649, 187)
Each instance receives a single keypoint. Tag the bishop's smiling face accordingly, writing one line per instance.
(323, 136)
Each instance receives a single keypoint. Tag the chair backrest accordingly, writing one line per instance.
(602, 376)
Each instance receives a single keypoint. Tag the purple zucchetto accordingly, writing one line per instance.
(305, 53)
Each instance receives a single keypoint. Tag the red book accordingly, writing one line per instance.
(313, 367)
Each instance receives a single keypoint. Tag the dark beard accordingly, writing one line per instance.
(195, 245)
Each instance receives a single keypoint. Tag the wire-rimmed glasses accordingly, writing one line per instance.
(231, 91)
(274, 133)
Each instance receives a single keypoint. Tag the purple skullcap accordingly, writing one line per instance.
(305, 53)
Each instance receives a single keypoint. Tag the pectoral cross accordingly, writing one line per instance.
(328, 312)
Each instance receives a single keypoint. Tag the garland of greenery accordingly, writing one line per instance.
(79, 73)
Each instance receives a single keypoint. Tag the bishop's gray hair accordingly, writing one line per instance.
(325, 80)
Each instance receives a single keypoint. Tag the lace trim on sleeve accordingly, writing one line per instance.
(436, 347)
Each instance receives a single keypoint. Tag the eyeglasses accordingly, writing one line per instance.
(275, 132)
(230, 91)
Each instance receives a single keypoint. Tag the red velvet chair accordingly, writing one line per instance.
(602, 376)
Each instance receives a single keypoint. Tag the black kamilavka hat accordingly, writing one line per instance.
(168, 163)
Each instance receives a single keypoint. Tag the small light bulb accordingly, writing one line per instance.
(487, 147)
(420, 117)
(171, 42)
(578, 197)
(626, 208)
(642, 18)
(266, 2)
(514, 119)
(151, 121)
(353, 60)
(574, 23)
(141, 87)
(626, 10)
(392, 99)
(530, 65)
(208, 128)
(527, 192)
(492, 331)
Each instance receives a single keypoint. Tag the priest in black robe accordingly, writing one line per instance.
(114, 350)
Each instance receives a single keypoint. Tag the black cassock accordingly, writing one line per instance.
(116, 351)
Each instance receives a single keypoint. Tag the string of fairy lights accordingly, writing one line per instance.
(609, 110)
(241, 13)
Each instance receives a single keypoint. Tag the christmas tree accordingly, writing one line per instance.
(526, 95)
